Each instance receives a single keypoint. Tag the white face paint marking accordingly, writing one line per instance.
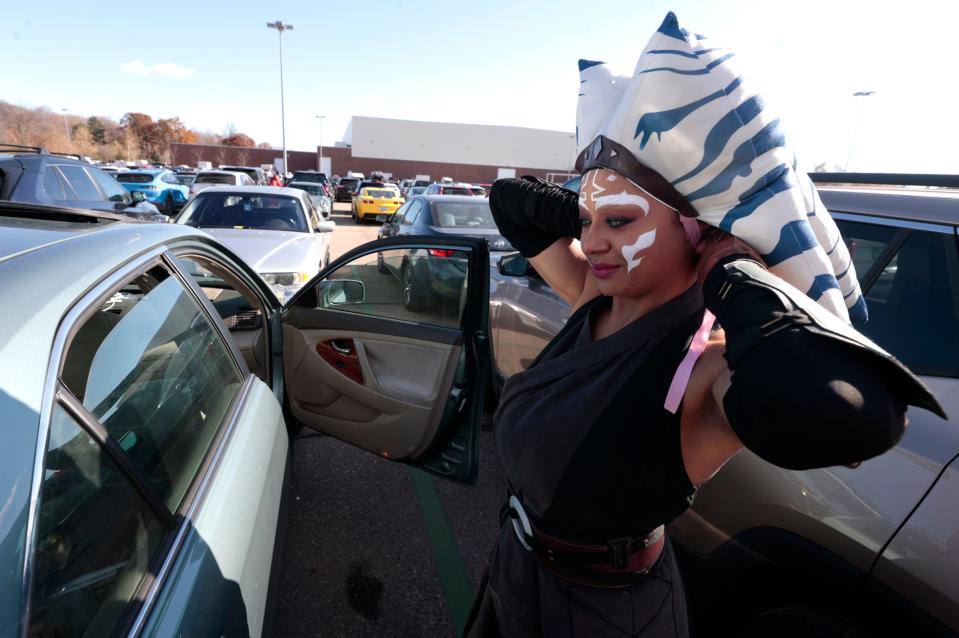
(643, 242)
(611, 177)
(623, 199)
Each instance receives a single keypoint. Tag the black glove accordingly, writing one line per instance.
(532, 214)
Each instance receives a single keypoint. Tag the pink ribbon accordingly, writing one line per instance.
(681, 379)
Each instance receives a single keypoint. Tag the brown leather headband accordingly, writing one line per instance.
(605, 153)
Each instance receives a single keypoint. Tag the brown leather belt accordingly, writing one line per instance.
(618, 563)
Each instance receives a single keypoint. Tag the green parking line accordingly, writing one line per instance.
(449, 563)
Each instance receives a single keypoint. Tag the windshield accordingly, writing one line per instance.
(455, 190)
(212, 209)
(135, 178)
(215, 178)
(309, 188)
(465, 215)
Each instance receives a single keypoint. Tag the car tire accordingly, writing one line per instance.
(800, 621)
(168, 205)
(412, 299)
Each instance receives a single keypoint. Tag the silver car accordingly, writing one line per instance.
(146, 371)
(828, 550)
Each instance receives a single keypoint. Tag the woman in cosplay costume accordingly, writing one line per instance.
(691, 212)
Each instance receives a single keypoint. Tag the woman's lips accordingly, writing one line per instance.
(604, 271)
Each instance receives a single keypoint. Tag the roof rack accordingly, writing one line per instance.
(888, 179)
(72, 155)
(58, 213)
(20, 147)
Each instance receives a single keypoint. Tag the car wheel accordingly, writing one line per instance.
(168, 206)
(381, 264)
(800, 621)
(412, 298)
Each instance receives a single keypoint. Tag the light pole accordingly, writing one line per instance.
(320, 118)
(855, 129)
(280, 28)
(66, 127)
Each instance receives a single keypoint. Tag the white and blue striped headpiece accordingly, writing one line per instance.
(687, 114)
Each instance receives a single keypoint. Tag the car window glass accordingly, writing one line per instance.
(413, 213)
(81, 182)
(400, 213)
(866, 242)
(214, 209)
(96, 537)
(110, 186)
(150, 366)
(464, 215)
(53, 184)
(912, 306)
(419, 285)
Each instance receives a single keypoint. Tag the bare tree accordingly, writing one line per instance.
(220, 156)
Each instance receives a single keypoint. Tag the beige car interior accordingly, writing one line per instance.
(398, 408)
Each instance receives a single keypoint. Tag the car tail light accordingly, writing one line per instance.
(368, 201)
(441, 252)
(396, 203)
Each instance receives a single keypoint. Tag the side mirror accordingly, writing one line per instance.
(325, 227)
(514, 265)
(340, 292)
(138, 197)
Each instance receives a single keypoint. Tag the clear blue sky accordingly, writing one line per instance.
(491, 62)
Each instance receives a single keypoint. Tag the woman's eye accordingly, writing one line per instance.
(584, 221)
(616, 222)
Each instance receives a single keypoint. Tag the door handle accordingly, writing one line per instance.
(338, 346)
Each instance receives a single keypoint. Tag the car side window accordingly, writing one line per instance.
(413, 213)
(149, 365)
(53, 184)
(400, 213)
(913, 305)
(96, 537)
(110, 186)
(81, 182)
(410, 284)
(866, 243)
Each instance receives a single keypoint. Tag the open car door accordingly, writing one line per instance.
(387, 349)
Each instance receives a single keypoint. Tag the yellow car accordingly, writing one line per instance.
(376, 203)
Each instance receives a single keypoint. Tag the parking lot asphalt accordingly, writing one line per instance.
(375, 548)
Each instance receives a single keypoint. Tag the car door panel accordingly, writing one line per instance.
(219, 581)
(400, 382)
(387, 412)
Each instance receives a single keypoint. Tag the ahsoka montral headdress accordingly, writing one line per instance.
(691, 131)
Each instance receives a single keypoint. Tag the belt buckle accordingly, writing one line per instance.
(520, 523)
(620, 551)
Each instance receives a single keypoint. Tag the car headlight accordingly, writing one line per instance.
(285, 284)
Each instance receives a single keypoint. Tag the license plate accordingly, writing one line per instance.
(384, 208)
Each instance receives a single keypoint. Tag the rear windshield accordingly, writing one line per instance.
(421, 182)
(214, 178)
(319, 178)
(465, 215)
(381, 193)
(135, 178)
(212, 209)
(455, 190)
(251, 172)
(348, 181)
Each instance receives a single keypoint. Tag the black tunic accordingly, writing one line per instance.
(592, 453)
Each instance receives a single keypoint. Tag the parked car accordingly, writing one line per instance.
(376, 202)
(450, 188)
(415, 190)
(144, 386)
(858, 550)
(317, 193)
(458, 215)
(207, 179)
(478, 190)
(345, 188)
(277, 230)
(160, 186)
(35, 175)
(185, 177)
(255, 173)
(314, 177)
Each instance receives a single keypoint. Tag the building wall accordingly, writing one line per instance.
(472, 144)
(343, 160)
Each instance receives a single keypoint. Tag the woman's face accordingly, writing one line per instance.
(634, 242)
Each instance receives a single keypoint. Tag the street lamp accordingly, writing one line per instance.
(66, 127)
(855, 129)
(320, 118)
(280, 28)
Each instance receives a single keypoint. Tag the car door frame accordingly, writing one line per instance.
(474, 336)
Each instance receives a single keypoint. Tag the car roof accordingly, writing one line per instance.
(452, 199)
(925, 205)
(146, 171)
